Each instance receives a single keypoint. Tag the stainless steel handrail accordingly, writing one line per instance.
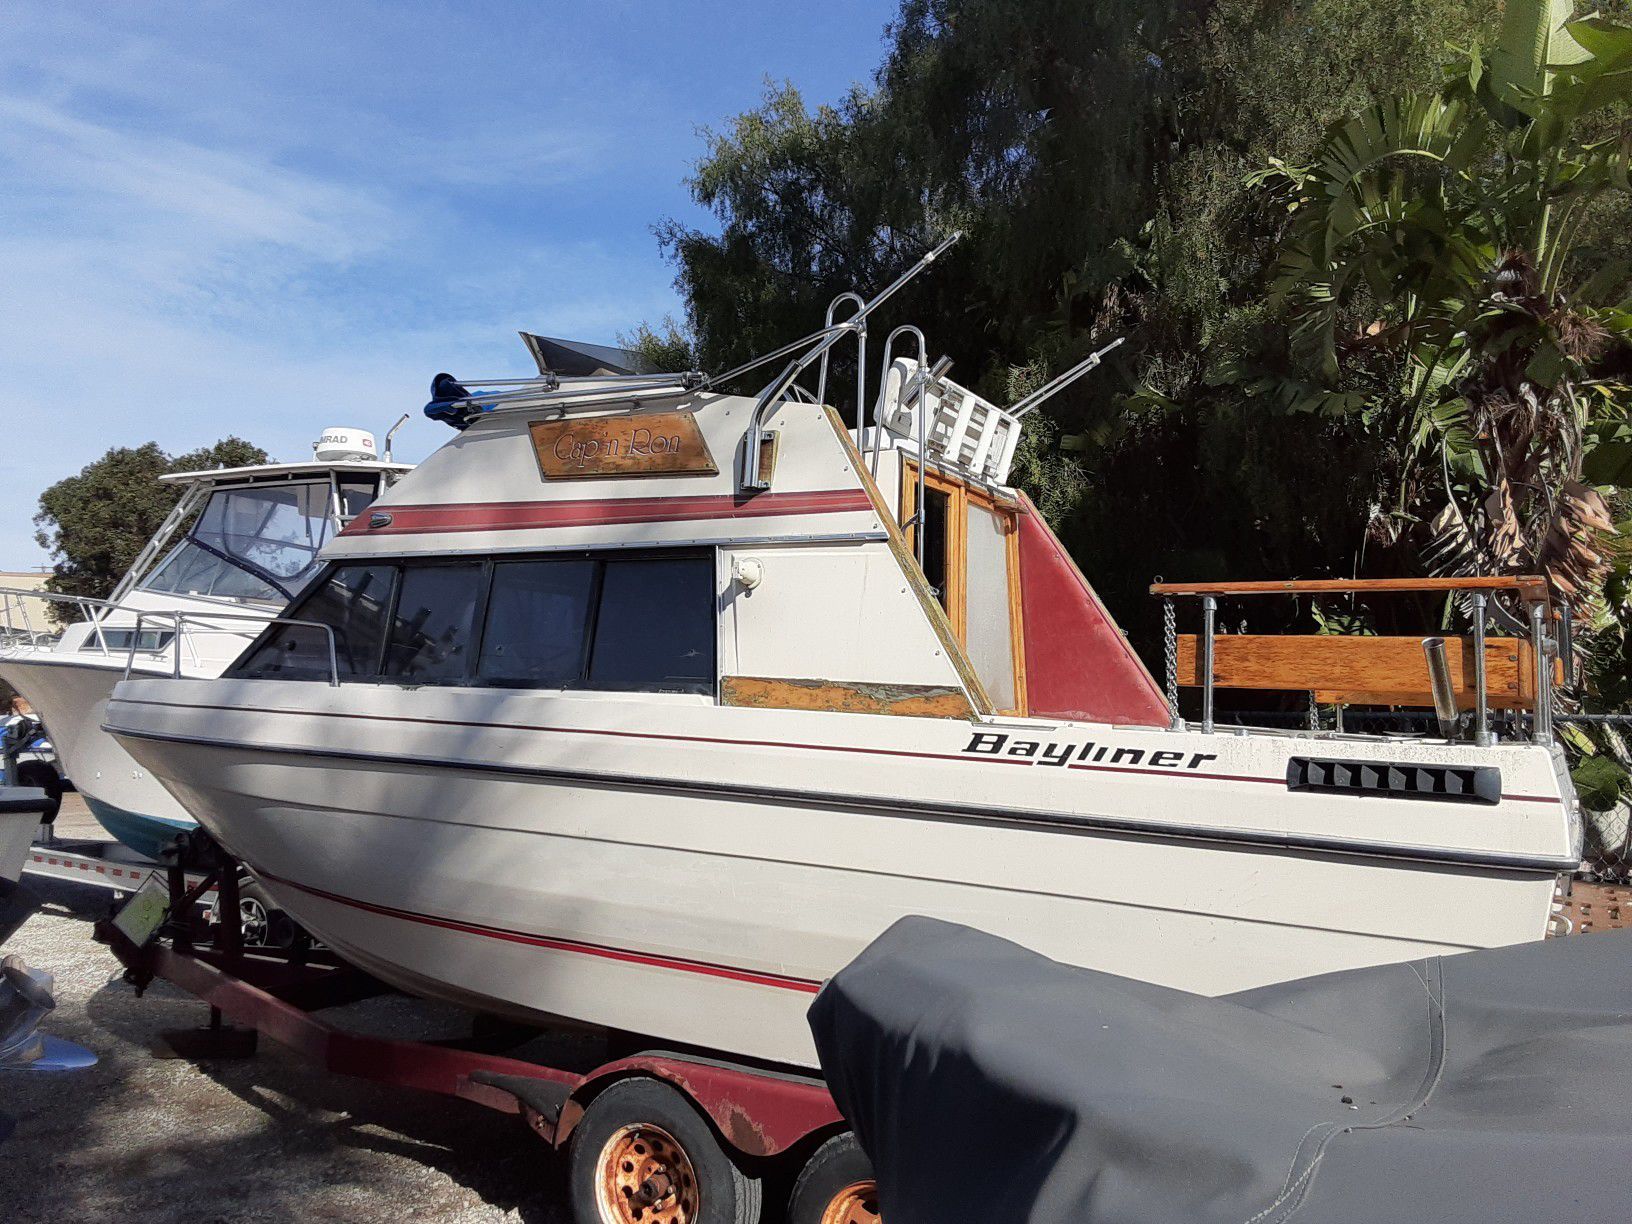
(861, 362)
(914, 390)
(86, 602)
(1544, 645)
(753, 477)
(180, 619)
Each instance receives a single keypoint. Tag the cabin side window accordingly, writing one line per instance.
(432, 624)
(538, 617)
(655, 627)
(352, 602)
(619, 622)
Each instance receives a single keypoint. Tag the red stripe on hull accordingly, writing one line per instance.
(606, 952)
(603, 512)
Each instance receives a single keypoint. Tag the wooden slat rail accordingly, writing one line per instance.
(1363, 670)
(1532, 587)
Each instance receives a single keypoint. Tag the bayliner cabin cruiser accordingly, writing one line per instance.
(238, 546)
(650, 705)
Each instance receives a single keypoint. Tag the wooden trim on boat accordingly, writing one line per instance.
(846, 697)
(1363, 670)
(961, 496)
(1530, 586)
(904, 557)
(957, 544)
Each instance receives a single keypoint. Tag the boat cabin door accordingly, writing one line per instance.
(972, 562)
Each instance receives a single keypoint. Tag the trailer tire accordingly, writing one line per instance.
(641, 1135)
(264, 925)
(836, 1186)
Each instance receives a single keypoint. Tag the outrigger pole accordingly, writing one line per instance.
(1056, 385)
(458, 403)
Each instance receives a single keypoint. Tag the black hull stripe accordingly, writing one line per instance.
(955, 812)
(851, 749)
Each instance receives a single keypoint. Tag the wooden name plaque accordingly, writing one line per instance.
(654, 444)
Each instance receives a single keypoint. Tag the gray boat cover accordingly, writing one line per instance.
(991, 1085)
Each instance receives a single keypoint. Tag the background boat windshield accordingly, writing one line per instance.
(254, 543)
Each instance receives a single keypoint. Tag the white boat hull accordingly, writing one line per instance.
(71, 696)
(693, 873)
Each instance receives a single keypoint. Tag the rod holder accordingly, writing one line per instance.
(1544, 674)
(1439, 683)
(1209, 615)
(1481, 706)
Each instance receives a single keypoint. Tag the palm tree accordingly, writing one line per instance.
(1438, 278)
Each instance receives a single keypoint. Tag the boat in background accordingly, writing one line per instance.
(239, 545)
(650, 705)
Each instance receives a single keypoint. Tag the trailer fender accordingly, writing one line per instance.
(759, 1113)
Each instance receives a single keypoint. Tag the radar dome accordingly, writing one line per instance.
(342, 443)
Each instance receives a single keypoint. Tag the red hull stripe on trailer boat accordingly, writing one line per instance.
(603, 512)
(606, 952)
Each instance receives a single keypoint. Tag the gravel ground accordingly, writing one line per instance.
(146, 1137)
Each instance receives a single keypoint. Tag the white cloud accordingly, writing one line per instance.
(155, 287)
(218, 195)
(219, 217)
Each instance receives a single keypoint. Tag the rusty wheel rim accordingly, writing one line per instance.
(645, 1177)
(855, 1204)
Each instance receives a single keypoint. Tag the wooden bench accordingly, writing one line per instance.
(1363, 670)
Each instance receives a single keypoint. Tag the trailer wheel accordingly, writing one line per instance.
(263, 924)
(836, 1186)
(642, 1155)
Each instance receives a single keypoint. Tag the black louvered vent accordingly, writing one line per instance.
(1453, 783)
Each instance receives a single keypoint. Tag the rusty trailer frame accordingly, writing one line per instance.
(758, 1113)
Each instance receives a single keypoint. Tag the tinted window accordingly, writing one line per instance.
(620, 622)
(120, 639)
(431, 628)
(353, 601)
(355, 496)
(936, 507)
(655, 630)
(537, 623)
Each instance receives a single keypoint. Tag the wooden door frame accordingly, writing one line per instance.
(961, 496)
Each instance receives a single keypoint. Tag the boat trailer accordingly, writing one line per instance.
(654, 1137)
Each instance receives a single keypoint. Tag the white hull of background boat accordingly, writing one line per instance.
(71, 696)
(693, 873)
(170, 606)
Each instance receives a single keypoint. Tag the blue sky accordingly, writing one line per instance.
(263, 219)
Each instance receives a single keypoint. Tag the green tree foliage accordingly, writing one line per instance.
(668, 347)
(1442, 281)
(1454, 280)
(1097, 157)
(95, 523)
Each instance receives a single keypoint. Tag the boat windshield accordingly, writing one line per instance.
(258, 542)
